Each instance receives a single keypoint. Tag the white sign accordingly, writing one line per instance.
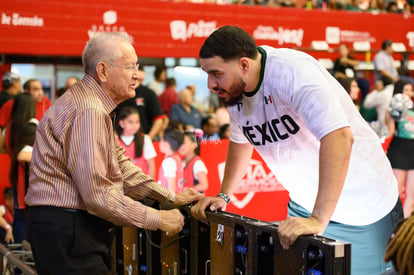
(282, 35)
(181, 31)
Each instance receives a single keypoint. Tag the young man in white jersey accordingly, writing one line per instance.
(285, 105)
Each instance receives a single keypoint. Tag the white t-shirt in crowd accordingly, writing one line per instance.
(297, 102)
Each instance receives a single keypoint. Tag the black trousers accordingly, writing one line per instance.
(66, 241)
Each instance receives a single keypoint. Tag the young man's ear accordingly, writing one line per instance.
(244, 64)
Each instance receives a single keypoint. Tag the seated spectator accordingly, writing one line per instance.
(171, 171)
(380, 98)
(184, 111)
(169, 97)
(351, 87)
(210, 128)
(195, 171)
(222, 114)
(344, 65)
(224, 131)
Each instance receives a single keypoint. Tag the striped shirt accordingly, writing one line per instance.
(78, 164)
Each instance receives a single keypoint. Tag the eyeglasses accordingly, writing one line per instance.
(132, 68)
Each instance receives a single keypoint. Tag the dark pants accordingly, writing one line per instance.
(68, 241)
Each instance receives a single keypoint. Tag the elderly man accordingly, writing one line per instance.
(80, 181)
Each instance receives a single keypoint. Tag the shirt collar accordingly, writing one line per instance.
(107, 102)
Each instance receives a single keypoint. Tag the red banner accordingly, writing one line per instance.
(259, 195)
(169, 29)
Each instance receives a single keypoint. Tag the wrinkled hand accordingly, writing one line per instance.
(172, 221)
(8, 238)
(293, 227)
(186, 197)
(198, 210)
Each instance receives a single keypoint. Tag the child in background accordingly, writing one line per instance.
(195, 171)
(138, 146)
(171, 170)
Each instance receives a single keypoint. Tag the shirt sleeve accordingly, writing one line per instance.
(314, 95)
(106, 180)
(170, 168)
(198, 167)
(148, 150)
(154, 110)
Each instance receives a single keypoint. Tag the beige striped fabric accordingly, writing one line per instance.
(78, 164)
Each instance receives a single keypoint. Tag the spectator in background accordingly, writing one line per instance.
(222, 115)
(380, 98)
(138, 146)
(21, 133)
(35, 89)
(148, 106)
(344, 66)
(400, 123)
(171, 173)
(224, 131)
(210, 128)
(12, 86)
(184, 111)
(351, 87)
(70, 81)
(384, 62)
(157, 85)
(169, 97)
(195, 171)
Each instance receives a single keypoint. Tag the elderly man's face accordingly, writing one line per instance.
(123, 74)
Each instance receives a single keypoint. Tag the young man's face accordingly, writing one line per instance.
(36, 91)
(224, 78)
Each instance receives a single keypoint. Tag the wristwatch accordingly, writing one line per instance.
(224, 197)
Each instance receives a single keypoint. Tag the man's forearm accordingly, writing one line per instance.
(334, 157)
(237, 161)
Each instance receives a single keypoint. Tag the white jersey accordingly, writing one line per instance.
(296, 103)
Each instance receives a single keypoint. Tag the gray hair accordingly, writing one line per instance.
(103, 47)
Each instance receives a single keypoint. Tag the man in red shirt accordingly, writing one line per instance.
(169, 97)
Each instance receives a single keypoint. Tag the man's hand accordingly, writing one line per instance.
(172, 221)
(198, 210)
(186, 197)
(293, 227)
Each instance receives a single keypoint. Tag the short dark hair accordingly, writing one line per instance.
(399, 86)
(158, 71)
(229, 42)
(28, 83)
(171, 82)
(174, 137)
(386, 44)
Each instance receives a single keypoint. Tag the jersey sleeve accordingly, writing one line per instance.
(315, 95)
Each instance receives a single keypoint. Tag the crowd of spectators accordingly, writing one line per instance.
(405, 7)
